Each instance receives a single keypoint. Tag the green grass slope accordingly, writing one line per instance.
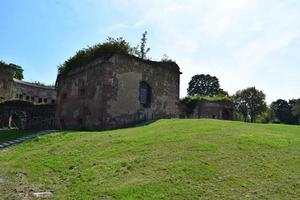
(168, 159)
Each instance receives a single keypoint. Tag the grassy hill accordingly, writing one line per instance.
(168, 159)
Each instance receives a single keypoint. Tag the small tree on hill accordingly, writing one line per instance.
(250, 103)
(203, 85)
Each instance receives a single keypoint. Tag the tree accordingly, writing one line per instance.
(18, 74)
(296, 110)
(250, 103)
(282, 111)
(165, 58)
(141, 50)
(203, 85)
(222, 93)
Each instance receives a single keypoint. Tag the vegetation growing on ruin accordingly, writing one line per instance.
(107, 48)
(211, 99)
(38, 83)
(18, 73)
(86, 55)
(168, 159)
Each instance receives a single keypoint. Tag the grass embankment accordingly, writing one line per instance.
(7, 135)
(169, 159)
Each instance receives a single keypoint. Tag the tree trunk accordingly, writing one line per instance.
(252, 118)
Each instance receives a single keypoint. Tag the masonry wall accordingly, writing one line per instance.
(34, 93)
(26, 115)
(11, 88)
(105, 93)
(212, 110)
(6, 83)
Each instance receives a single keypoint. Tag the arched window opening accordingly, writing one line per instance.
(145, 94)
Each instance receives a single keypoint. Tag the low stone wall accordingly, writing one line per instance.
(25, 115)
(209, 109)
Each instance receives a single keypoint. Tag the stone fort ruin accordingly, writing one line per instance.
(116, 91)
(11, 88)
(112, 91)
(25, 105)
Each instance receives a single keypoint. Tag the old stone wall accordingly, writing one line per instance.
(81, 96)
(107, 93)
(11, 88)
(34, 93)
(6, 83)
(26, 115)
(212, 110)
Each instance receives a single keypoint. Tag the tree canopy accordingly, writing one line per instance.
(18, 73)
(250, 103)
(282, 111)
(86, 55)
(296, 110)
(111, 45)
(203, 85)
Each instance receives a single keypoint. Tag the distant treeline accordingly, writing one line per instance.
(250, 103)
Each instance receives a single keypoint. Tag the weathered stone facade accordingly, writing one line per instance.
(6, 83)
(117, 91)
(37, 94)
(208, 109)
(26, 115)
(11, 88)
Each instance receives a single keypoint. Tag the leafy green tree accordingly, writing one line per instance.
(250, 103)
(296, 110)
(282, 111)
(18, 74)
(222, 93)
(203, 85)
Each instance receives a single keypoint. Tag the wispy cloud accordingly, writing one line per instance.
(237, 40)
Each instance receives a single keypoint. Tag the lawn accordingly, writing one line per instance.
(168, 159)
(7, 135)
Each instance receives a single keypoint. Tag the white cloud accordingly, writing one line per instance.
(233, 39)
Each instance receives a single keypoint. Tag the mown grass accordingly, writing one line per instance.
(169, 159)
(7, 135)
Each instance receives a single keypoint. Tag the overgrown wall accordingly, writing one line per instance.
(105, 94)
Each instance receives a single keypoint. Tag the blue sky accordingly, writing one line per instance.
(242, 42)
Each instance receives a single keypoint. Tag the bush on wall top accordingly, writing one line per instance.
(86, 55)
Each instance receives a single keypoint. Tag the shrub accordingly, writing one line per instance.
(89, 54)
